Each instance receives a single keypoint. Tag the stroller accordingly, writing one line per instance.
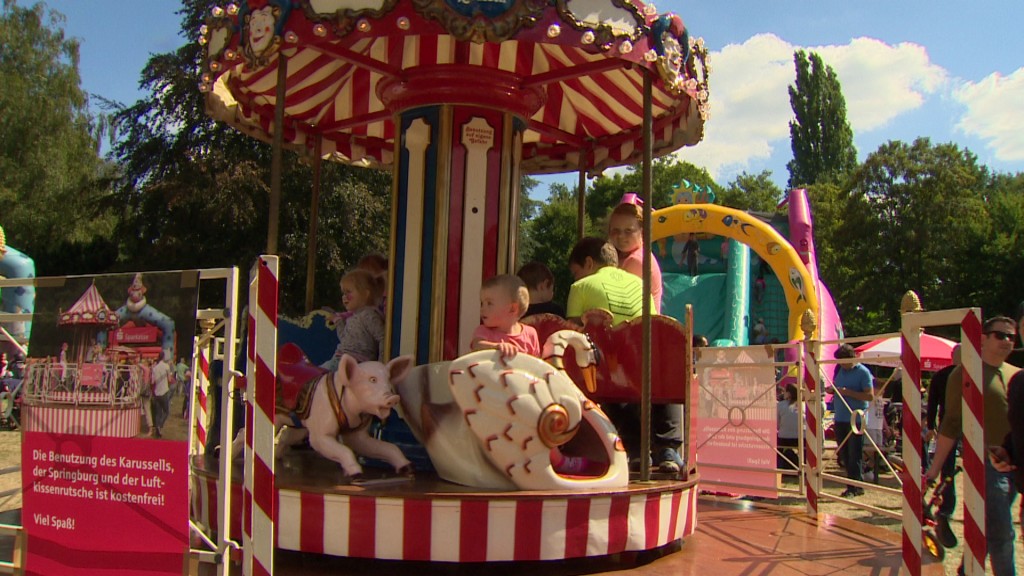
(931, 540)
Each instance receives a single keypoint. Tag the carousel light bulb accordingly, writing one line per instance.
(403, 23)
(650, 10)
(650, 55)
(232, 9)
(215, 66)
(700, 43)
(217, 11)
(291, 37)
(588, 37)
(203, 30)
(205, 78)
(363, 25)
(204, 87)
(202, 40)
(626, 47)
(230, 54)
(320, 30)
(554, 30)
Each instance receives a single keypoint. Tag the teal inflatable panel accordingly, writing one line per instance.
(705, 293)
(737, 295)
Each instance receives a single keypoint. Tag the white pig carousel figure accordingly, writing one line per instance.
(335, 409)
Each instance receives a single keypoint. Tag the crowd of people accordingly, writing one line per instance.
(858, 411)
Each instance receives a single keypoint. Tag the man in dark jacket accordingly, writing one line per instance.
(936, 410)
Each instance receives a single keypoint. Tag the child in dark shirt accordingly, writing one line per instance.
(541, 284)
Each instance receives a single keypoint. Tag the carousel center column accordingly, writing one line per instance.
(455, 206)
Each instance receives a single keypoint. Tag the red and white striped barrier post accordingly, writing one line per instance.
(197, 397)
(913, 321)
(973, 449)
(200, 410)
(913, 441)
(813, 438)
(258, 510)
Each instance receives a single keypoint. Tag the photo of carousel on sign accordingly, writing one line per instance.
(103, 352)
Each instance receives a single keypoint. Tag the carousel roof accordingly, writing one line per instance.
(89, 309)
(584, 61)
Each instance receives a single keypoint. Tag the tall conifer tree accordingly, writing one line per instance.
(820, 135)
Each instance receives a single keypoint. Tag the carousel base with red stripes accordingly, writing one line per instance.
(54, 418)
(385, 517)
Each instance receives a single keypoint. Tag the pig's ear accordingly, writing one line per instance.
(348, 366)
(399, 367)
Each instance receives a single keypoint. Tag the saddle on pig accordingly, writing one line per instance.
(332, 404)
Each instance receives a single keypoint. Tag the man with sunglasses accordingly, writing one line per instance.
(1010, 456)
(996, 345)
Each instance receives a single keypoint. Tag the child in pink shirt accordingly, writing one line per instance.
(503, 301)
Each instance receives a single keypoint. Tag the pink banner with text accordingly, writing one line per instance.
(96, 505)
(735, 421)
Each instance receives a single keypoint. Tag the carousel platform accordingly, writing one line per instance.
(733, 537)
(384, 517)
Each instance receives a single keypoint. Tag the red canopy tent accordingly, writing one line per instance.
(936, 352)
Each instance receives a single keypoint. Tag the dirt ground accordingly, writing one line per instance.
(892, 503)
(10, 460)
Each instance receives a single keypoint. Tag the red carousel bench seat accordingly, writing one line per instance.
(619, 371)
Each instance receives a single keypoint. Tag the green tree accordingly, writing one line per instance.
(915, 218)
(820, 135)
(996, 285)
(51, 175)
(752, 192)
(528, 210)
(554, 234)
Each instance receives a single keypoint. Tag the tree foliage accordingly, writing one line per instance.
(195, 193)
(918, 217)
(50, 172)
(668, 172)
(553, 231)
(820, 135)
(755, 192)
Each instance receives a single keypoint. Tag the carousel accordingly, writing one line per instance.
(458, 100)
(84, 389)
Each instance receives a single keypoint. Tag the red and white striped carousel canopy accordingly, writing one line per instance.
(582, 65)
(90, 308)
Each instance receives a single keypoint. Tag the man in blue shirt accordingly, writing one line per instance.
(853, 392)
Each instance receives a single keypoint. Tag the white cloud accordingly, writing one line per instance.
(993, 113)
(750, 109)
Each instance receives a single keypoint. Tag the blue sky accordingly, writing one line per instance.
(953, 72)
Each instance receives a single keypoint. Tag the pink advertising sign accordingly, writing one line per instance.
(100, 499)
(735, 421)
(96, 505)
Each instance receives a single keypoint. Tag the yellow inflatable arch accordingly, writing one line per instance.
(762, 239)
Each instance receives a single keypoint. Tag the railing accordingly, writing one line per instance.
(87, 384)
